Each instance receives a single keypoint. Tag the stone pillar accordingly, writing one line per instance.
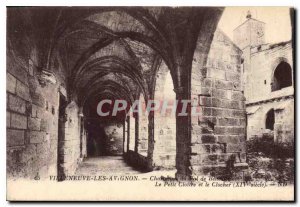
(136, 138)
(183, 138)
(128, 133)
(124, 135)
(150, 139)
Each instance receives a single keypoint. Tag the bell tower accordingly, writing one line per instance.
(250, 33)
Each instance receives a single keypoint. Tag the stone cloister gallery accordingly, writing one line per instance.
(62, 61)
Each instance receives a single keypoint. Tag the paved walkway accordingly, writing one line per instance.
(113, 165)
(105, 165)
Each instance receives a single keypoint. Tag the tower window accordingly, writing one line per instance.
(282, 76)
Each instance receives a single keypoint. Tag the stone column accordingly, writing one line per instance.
(128, 133)
(125, 123)
(183, 138)
(136, 138)
(150, 140)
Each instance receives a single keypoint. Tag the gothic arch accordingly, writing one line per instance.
(282, 74)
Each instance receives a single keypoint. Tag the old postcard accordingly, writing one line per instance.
(150, 103)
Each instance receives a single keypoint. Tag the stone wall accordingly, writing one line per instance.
(219, 131)
(261, 98)
(264, 60)
(284, 122)
(32, 122)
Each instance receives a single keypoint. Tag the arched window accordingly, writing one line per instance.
(282, 76)
(270, 120)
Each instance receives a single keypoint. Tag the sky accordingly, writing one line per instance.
(277, 19)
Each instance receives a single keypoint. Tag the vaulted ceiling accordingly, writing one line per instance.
(107, 51)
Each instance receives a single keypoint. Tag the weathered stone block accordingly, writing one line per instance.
(46, 124)
(16, 104)
(236, 105)
(205, 91)
(220, 130)
(238, 96)
(10, 83)
(43, 149)
(222, 94)
(38, 100)
(213, 157)
(28, 153)
(206, 129)
(239, 113)
(217, 112)
(209, 120)
(35, 137)
(208, 138)
(233, 148)
(223, 84)
(208, 82)
(34, 124)
(216, 102)
(18, 121)
(236, 130)
(16, 70)
(14, 137)
(205, 101)
(216, 74)
(228, 122)
(7, 119)
(235, 77)
(218, 148)
(200, 149)
(23, 91)
(234, 139)
(242, 122)
(228, 112)
(196, 159)
(207, 111)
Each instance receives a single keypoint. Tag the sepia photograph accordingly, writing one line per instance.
(150, 103)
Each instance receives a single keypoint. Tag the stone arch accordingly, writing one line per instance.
(270, 119)
(164, 152)
(281, 76)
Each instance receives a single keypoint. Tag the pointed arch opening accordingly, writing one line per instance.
(270, 119)
(282, 77)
